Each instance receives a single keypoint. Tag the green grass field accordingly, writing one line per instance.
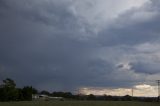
(78, 103)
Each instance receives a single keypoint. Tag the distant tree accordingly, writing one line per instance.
(62, 94)
(68, 95)
(91, 97)
(58, 94)
(127, 98)
(34, 91)
(27, 92)
(20, 94)
(8, 92)
(104, 97)
(45, 92)
(9, 83)
(109, 97)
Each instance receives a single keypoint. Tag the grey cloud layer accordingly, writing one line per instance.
(46, 43)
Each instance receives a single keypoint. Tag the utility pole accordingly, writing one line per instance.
(132, 92)
(158, 82)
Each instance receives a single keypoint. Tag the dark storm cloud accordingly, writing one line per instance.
(2, 4)
(148, 68)
(32, 49)
(44, 44)
(128, 31)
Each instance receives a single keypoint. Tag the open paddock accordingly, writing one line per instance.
(79, 103)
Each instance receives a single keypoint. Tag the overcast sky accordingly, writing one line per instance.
(69, 44)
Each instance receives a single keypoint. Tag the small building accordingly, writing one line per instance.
(35, 96)
(45, 97)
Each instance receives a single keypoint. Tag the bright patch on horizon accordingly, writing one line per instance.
(138, 90)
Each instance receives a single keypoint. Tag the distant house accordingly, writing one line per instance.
(35, 96)
(45, 97)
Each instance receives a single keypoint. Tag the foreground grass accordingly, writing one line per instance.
(78, 103)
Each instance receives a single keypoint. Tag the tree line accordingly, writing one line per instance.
(9, 92)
